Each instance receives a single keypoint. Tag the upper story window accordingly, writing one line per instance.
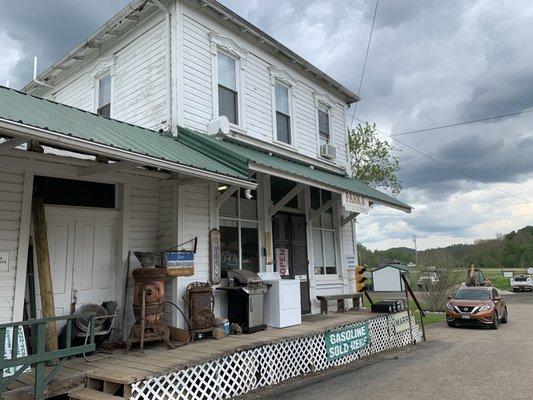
(323, 124)
(283, 115)
(282, 106)
(227, 59)
(104, 96)
(228, 95)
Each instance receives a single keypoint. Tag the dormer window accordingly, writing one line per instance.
(323, 125)
(283, 115)
(104, 96)
(228, 95)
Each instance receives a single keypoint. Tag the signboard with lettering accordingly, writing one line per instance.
(346, 341)
(508, 274)
(354, 203)
(179, 263)
(401, 321)
(4, 261)
(215, 258)
(8, 348)
(282, 261)
(351, 263)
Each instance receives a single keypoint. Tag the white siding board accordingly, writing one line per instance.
(11, 185)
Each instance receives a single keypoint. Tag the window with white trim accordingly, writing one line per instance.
(103, 105)
(228, 94)
(283, 114)
(239, 233)
(324, 124)
(323, 228)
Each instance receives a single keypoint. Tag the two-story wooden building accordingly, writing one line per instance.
(254, 143)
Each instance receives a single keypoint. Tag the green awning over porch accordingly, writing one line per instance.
(62, 121)
(231, 153)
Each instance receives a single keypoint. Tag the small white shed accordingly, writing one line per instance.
(387, 278)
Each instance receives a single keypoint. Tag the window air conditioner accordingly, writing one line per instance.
(327, 151)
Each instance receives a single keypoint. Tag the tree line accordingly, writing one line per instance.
(513, 250)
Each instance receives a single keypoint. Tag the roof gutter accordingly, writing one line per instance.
(50, 137)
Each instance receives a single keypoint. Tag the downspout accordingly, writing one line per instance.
(35, 80)
(168, 21)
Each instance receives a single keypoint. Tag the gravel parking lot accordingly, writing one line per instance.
(455, 363)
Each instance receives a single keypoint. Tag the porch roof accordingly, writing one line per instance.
(71, 127)
(257, 159)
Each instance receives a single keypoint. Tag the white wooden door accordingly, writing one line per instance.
(83, 247)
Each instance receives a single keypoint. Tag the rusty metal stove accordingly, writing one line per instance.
(148, 295)
(201, 302)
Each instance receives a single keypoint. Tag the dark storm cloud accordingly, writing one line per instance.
(49, 29)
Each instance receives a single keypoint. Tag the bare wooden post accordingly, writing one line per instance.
(45, 273)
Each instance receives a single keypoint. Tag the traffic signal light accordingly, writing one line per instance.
(360, 279)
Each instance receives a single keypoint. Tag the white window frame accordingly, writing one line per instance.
(239, 219)
(105, 66)
(232, 49)
(280, 76)
(334, 230)
(323, 100)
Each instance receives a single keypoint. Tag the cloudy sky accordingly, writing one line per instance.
(431, 63)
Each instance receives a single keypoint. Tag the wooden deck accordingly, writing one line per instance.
(116, 372)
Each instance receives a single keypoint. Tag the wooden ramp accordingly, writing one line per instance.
(114, 375)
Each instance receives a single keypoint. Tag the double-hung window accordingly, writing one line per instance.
(228, 95)
(104, 96)
(283, 117)
(239, 233)
(323, 124)
(323, 234)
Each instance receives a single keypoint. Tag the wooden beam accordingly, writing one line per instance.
(226, 195)
(285, 199)
(11, 143)
(105, 168)
(349, 218)
(325, 207)
(44, 270)
(191, 181)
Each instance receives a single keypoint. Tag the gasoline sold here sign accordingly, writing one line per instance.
(345, 341)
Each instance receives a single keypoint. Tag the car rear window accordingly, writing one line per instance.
(466, 294)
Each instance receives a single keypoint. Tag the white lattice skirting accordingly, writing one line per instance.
(267, 365)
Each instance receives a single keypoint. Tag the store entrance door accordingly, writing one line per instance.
(290, 252)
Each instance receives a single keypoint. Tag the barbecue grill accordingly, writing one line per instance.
(246, 292)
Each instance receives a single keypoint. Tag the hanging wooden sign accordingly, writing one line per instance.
(215, 259)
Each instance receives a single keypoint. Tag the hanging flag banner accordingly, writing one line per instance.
(346, 341)
(354, 203)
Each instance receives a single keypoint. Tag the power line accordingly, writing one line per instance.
(366, 57)
(465, 174)
(473, 121)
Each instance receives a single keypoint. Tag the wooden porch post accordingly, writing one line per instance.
(45, 274)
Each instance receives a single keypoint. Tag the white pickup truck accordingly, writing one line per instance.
(521, 282)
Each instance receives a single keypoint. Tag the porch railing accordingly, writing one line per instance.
(40, 356)
(409, 291)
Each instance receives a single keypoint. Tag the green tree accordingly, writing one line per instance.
(373, 160)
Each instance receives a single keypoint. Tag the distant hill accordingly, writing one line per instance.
(513, 250)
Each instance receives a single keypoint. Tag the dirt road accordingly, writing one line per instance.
(460, 363)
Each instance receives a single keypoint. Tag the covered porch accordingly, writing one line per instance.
(216, 369)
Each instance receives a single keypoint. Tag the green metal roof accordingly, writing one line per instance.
(236, 153)
(36, 112)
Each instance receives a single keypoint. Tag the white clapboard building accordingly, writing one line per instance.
(174, 118)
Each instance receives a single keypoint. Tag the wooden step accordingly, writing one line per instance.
(90, 394)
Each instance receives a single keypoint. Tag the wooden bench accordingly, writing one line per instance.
(340, 301)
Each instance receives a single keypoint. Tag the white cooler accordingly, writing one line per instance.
(282, 301)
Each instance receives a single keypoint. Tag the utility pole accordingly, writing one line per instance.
(416, 252)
